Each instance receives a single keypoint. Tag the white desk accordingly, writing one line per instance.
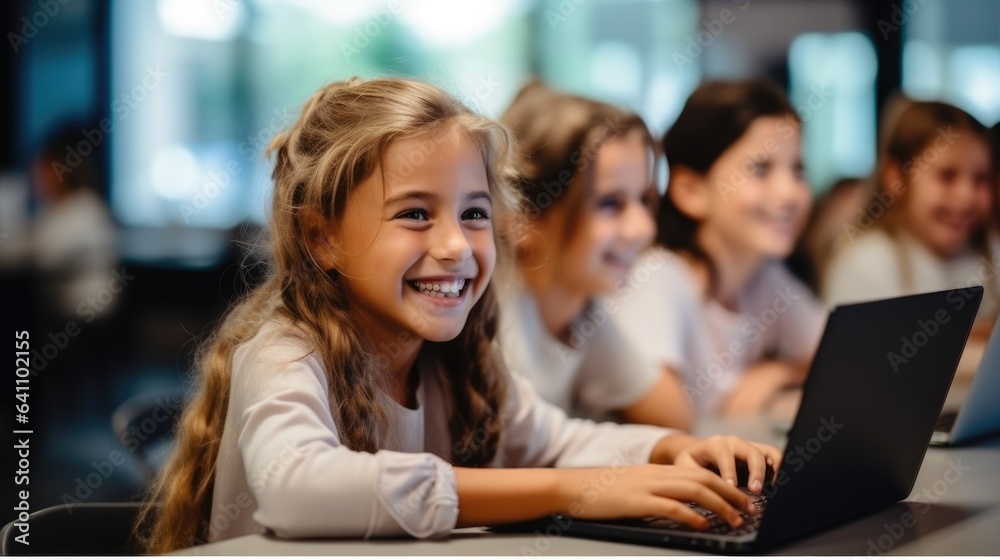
(961, 517)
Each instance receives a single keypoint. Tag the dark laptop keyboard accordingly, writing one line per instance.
(945, 422)
(718, 525)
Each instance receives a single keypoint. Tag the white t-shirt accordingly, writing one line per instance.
(596, 374)
(665, 315)
(281, 465)
(869, 269)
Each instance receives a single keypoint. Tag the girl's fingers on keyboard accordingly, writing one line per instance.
(669, 508)
(706, 497)
(756, 464)
(774, 457)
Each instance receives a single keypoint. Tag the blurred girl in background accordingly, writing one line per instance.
(721, 315)
(586, 174)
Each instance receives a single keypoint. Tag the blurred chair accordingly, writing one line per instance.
(145, 424)
(100, 529)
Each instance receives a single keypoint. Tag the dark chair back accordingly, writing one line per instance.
(100, 529)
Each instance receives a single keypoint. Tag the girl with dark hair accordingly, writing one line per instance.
(722, 315)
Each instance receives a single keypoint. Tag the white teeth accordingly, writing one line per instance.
(446, 289)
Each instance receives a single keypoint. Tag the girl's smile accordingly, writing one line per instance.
(442, 291)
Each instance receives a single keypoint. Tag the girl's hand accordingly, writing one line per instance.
(639, 491)
(723, 452)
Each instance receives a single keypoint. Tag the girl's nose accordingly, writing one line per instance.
(638, 227)
(449, 242)
(789, 186)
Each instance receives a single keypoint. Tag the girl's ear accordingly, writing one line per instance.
(690, 192)
(318, 234)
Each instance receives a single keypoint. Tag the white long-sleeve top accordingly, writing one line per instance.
(281, 465)
(596, 373)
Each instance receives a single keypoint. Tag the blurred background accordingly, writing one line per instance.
(133, 180)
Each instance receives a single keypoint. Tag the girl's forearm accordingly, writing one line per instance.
(491, 496)
(760, 383)
(663, 405)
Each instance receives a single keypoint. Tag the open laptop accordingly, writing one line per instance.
(979, 415)
(869, 406)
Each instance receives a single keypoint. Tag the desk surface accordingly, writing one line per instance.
(953, 515)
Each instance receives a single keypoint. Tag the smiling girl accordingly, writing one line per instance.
(722, 316)
(358, 392)
(586, 172)
(928, 220)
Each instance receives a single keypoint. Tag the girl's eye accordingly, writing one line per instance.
(799, 171)
(609, 203)
(413, 214)
(760, 169)
(475, 214)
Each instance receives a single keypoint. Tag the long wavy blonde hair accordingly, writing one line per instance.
(337, 143)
